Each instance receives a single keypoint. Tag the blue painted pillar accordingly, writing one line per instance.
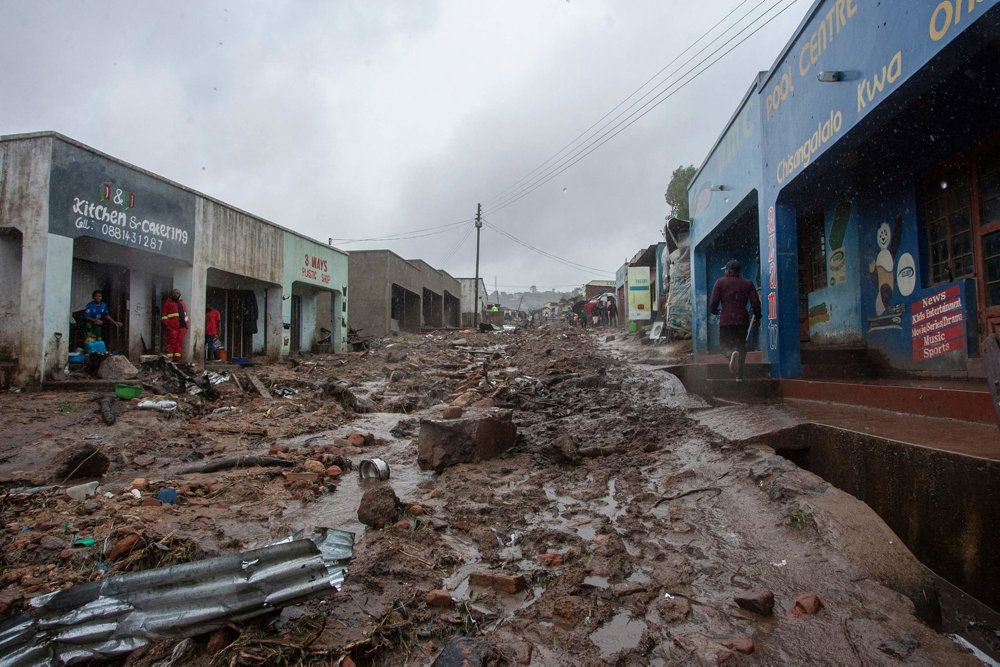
(780, 307)
(699, 301)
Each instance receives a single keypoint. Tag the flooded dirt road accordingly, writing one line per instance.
(617, 530)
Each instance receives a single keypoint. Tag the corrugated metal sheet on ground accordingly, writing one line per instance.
(115, 616)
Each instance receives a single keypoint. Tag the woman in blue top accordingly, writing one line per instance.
(94, 315)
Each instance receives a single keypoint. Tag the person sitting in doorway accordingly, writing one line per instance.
(94, 316)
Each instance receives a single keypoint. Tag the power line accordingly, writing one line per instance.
(562, 260)
(455, 248)
(602, 118)
(412, 234)
(661, 97)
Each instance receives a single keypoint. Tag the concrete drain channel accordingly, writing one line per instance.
(945, 507)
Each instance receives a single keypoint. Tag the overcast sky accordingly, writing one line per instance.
(353, 119)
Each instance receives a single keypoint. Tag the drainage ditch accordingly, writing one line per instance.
(944, 506)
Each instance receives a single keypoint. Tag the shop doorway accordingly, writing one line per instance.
(113, 282)
(295, 326)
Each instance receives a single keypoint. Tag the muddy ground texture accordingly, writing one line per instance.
(616, 530)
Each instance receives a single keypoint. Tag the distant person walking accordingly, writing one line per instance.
(212, 318)
(612, 313)
(175, 319)
(733, 293)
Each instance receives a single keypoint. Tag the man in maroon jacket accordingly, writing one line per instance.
(733, 293)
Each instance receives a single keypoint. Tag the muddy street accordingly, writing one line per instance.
(610, 527)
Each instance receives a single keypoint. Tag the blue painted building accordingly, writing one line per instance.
(859, 184)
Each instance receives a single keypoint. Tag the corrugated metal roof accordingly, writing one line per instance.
(115, 616)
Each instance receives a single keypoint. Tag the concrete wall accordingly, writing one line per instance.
(469, 302)
(10, 294)
(369, 292)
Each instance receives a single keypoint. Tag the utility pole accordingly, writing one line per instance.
(479, 227)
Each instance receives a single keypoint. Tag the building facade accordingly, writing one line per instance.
(74, 220)
(859, 185)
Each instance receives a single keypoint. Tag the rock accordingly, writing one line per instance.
(150, 501)
(360, 439)
(507, 583)
(567, 448)
(524, 651)
(900, 649)
(760, 602)
(552, 558)
(80, 461)
(340, 389)
(307, 477)
(6, 602)
(724, 657)
(139, 483)
(453, 412)
(481, 435)
(395, 356)
(468, 398)
(416, 509)
(334, 471)
(464, 652)
(143, 460)
(219, 640)
(438, 598)
(312, 465)
(807, 603)
(124, 545)
(379, 506)
(52, 543)
(402, 525)
(116, 367)
(741, 644)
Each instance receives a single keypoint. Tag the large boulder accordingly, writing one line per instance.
(117, 367)
(478, 435)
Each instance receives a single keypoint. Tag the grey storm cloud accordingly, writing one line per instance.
(358, 119)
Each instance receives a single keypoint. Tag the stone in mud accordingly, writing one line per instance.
(478, 436)
(464, 652)
(807, 603)
(901, 648)
(144, 460)
(341, 390)
(52, 543)
(452, 412)
(759, 602)
(524, 651)
(567, 448)
(465, 399)
(116, 367)
(82, 461)
(741, 644)
(379, 506)
(395, 356)
(438, 598)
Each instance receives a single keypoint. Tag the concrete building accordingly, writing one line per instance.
(73, 220)
(470, 302)
(859, 185)
(390, 293)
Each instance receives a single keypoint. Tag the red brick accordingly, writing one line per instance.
(139, 483)
(552, 558)
(506, 583)
(124, 545)
(357, 440)
(453, 412)
(438, 598)
(807, 603)
(402, 525)
(151, 502)
(334, 471)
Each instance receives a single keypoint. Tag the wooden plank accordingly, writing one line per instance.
(991, 362)
(259, 386)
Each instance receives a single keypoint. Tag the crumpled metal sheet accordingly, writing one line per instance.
(115, 616)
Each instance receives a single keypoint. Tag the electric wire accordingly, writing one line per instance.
(411, 234)
(562, 260)
(455, 248)
(609, 134)
(562, 150)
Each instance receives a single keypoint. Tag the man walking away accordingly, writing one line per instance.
(733, 293)
(175, 319)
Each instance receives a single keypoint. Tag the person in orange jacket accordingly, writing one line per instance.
(175, 319)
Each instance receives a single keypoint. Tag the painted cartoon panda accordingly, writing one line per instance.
(881, 268)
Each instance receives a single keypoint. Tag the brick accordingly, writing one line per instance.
(438, 598)
(507, 583)
(453, 412)
(139, 483)
(124, 545)
(334, 471)
(552, 558)
(807, 603)
(307, 477)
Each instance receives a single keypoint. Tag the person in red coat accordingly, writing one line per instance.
(212, 318)
(733, 293)
(175, 319)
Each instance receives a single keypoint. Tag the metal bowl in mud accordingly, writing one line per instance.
(373, 469)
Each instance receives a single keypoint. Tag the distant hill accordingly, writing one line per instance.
(533, 300)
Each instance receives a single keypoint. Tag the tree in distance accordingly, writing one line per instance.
(677, 195)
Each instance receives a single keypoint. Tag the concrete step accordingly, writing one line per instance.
(751, 390)
(834, 355)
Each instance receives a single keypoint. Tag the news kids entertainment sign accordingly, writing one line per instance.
(937, 324)
(93, 196)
